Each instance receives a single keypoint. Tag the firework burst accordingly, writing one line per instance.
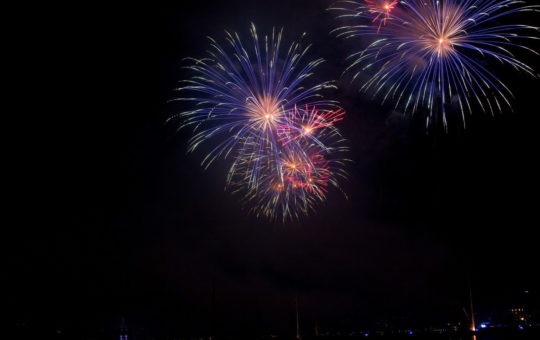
(434, 53)
(246, 100)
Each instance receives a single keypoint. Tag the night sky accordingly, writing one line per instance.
(114, 219)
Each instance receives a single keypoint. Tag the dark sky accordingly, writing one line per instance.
(114, 219)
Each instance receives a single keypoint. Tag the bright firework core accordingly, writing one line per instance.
(444, 45)
(264, 109)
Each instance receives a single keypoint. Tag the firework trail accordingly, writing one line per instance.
(246, 99)
(436, 53)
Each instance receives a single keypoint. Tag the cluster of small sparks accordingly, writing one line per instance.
(433, 53)
(279, 135)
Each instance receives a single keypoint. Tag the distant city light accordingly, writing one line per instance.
(520, 327)
(366, 334)
(410, 332)
(483, 325)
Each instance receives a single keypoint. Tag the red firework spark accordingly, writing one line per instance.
(381, 10)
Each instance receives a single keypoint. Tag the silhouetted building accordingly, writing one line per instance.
(213, 311)
(518, 315)
(123, 330)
